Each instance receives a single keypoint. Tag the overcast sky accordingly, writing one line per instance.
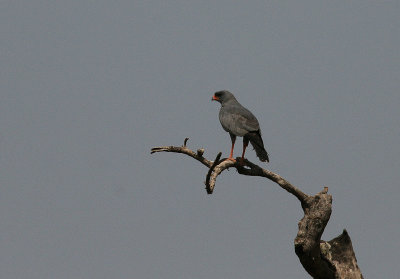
(88, 87)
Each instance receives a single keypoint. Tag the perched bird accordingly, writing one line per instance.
(239, 121)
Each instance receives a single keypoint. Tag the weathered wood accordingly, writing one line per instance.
(334, 259)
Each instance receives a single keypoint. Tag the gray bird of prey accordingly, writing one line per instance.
(239, 121)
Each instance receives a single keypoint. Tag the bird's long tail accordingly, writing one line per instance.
(257, 142)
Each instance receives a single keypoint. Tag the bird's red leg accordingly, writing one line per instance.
(233, 138)
(245, 143)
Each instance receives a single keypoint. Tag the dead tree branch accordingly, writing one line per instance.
(321, 259)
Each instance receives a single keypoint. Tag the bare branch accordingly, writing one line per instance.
(217, 169)
(321, 259)
(184, 150)
(255, 170)
(210, 185)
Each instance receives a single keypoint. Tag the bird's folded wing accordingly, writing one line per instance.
(238, 120)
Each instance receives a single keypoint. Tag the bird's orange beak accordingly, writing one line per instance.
(214, 98)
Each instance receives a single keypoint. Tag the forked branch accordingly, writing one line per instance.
(321, 259)
(217, 166)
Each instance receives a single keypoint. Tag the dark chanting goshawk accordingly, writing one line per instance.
(239, 121)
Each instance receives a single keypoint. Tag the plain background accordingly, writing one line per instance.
(88, 87)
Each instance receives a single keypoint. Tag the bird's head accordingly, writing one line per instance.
(222, 96)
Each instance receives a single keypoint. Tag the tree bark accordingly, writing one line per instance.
(334, 259)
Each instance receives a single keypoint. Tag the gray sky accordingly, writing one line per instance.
(88, 87)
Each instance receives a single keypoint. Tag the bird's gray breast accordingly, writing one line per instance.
(238, 120)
